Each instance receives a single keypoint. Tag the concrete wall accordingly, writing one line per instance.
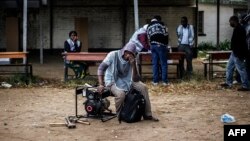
(210, 23)
(105, 26)
(105, 21)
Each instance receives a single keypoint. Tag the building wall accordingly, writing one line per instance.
(210, 23)
(105, 26)
(105, 22)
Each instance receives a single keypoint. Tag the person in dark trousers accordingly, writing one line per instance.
(185, 34)
(239, 53)
(74, 45)
(158, 38)
(244, 23)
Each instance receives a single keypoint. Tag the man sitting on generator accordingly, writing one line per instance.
(118, 72)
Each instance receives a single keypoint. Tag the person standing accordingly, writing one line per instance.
(246, 19)
(158, 38)
(185, 35)
(72, 44)
(244, 22)
(118, 72)
(239, 53)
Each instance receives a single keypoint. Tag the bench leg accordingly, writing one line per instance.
(65, 73)
(26, 74)
(205, 70)
(178, 71)
(31, 71)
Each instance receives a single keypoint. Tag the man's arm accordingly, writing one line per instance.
(100, 74)
(166, 34)
(135, 75)
(192, 35)
(79, 46)
(66, 46)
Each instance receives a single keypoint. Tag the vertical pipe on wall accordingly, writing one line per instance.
(195, 50)
(25, 26)
(136, 14)
(41, 39)
(124, 21)
(196, 22)
(51, 25)
(218, 24)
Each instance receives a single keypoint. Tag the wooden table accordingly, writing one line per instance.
(216, 58)
(93, 57)
(174, 58)
(24, 64)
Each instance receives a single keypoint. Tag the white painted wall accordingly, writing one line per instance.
(210, 23)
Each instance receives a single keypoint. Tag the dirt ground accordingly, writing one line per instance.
(188, 111)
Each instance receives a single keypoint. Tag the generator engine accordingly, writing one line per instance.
(96, 104)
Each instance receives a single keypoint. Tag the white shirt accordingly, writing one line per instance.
(185, 36)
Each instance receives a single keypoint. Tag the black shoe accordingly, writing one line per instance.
(226, 86)
(151, 118)
(243, 89)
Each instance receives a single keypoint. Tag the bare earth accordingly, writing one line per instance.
(188, 111)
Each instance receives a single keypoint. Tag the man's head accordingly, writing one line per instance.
(157, 17)
(73, 35)
(129, 50)
(184, 21)
(234, 21)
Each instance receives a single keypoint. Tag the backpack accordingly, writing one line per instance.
(133, 108)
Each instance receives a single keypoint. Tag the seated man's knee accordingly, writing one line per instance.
(120, 95)
(140, 86)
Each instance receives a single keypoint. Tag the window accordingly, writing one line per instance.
(201, 23)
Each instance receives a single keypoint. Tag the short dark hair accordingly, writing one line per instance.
(184, 18)
(234, 18)
(72, 32)
(157, 17)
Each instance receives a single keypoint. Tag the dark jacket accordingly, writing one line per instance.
(70, 47)
(238, 42)
(157, 33)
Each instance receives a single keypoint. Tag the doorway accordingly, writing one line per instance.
(12, 34)
(81, 27)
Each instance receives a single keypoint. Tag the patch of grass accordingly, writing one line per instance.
(35, 81)
(225, 45)
(204, 46)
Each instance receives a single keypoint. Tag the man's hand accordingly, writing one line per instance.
(100, 89)
(131, 59)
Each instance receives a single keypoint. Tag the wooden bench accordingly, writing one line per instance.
(91, 58)
(16, 60)
(174, 58)
(215, 58)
